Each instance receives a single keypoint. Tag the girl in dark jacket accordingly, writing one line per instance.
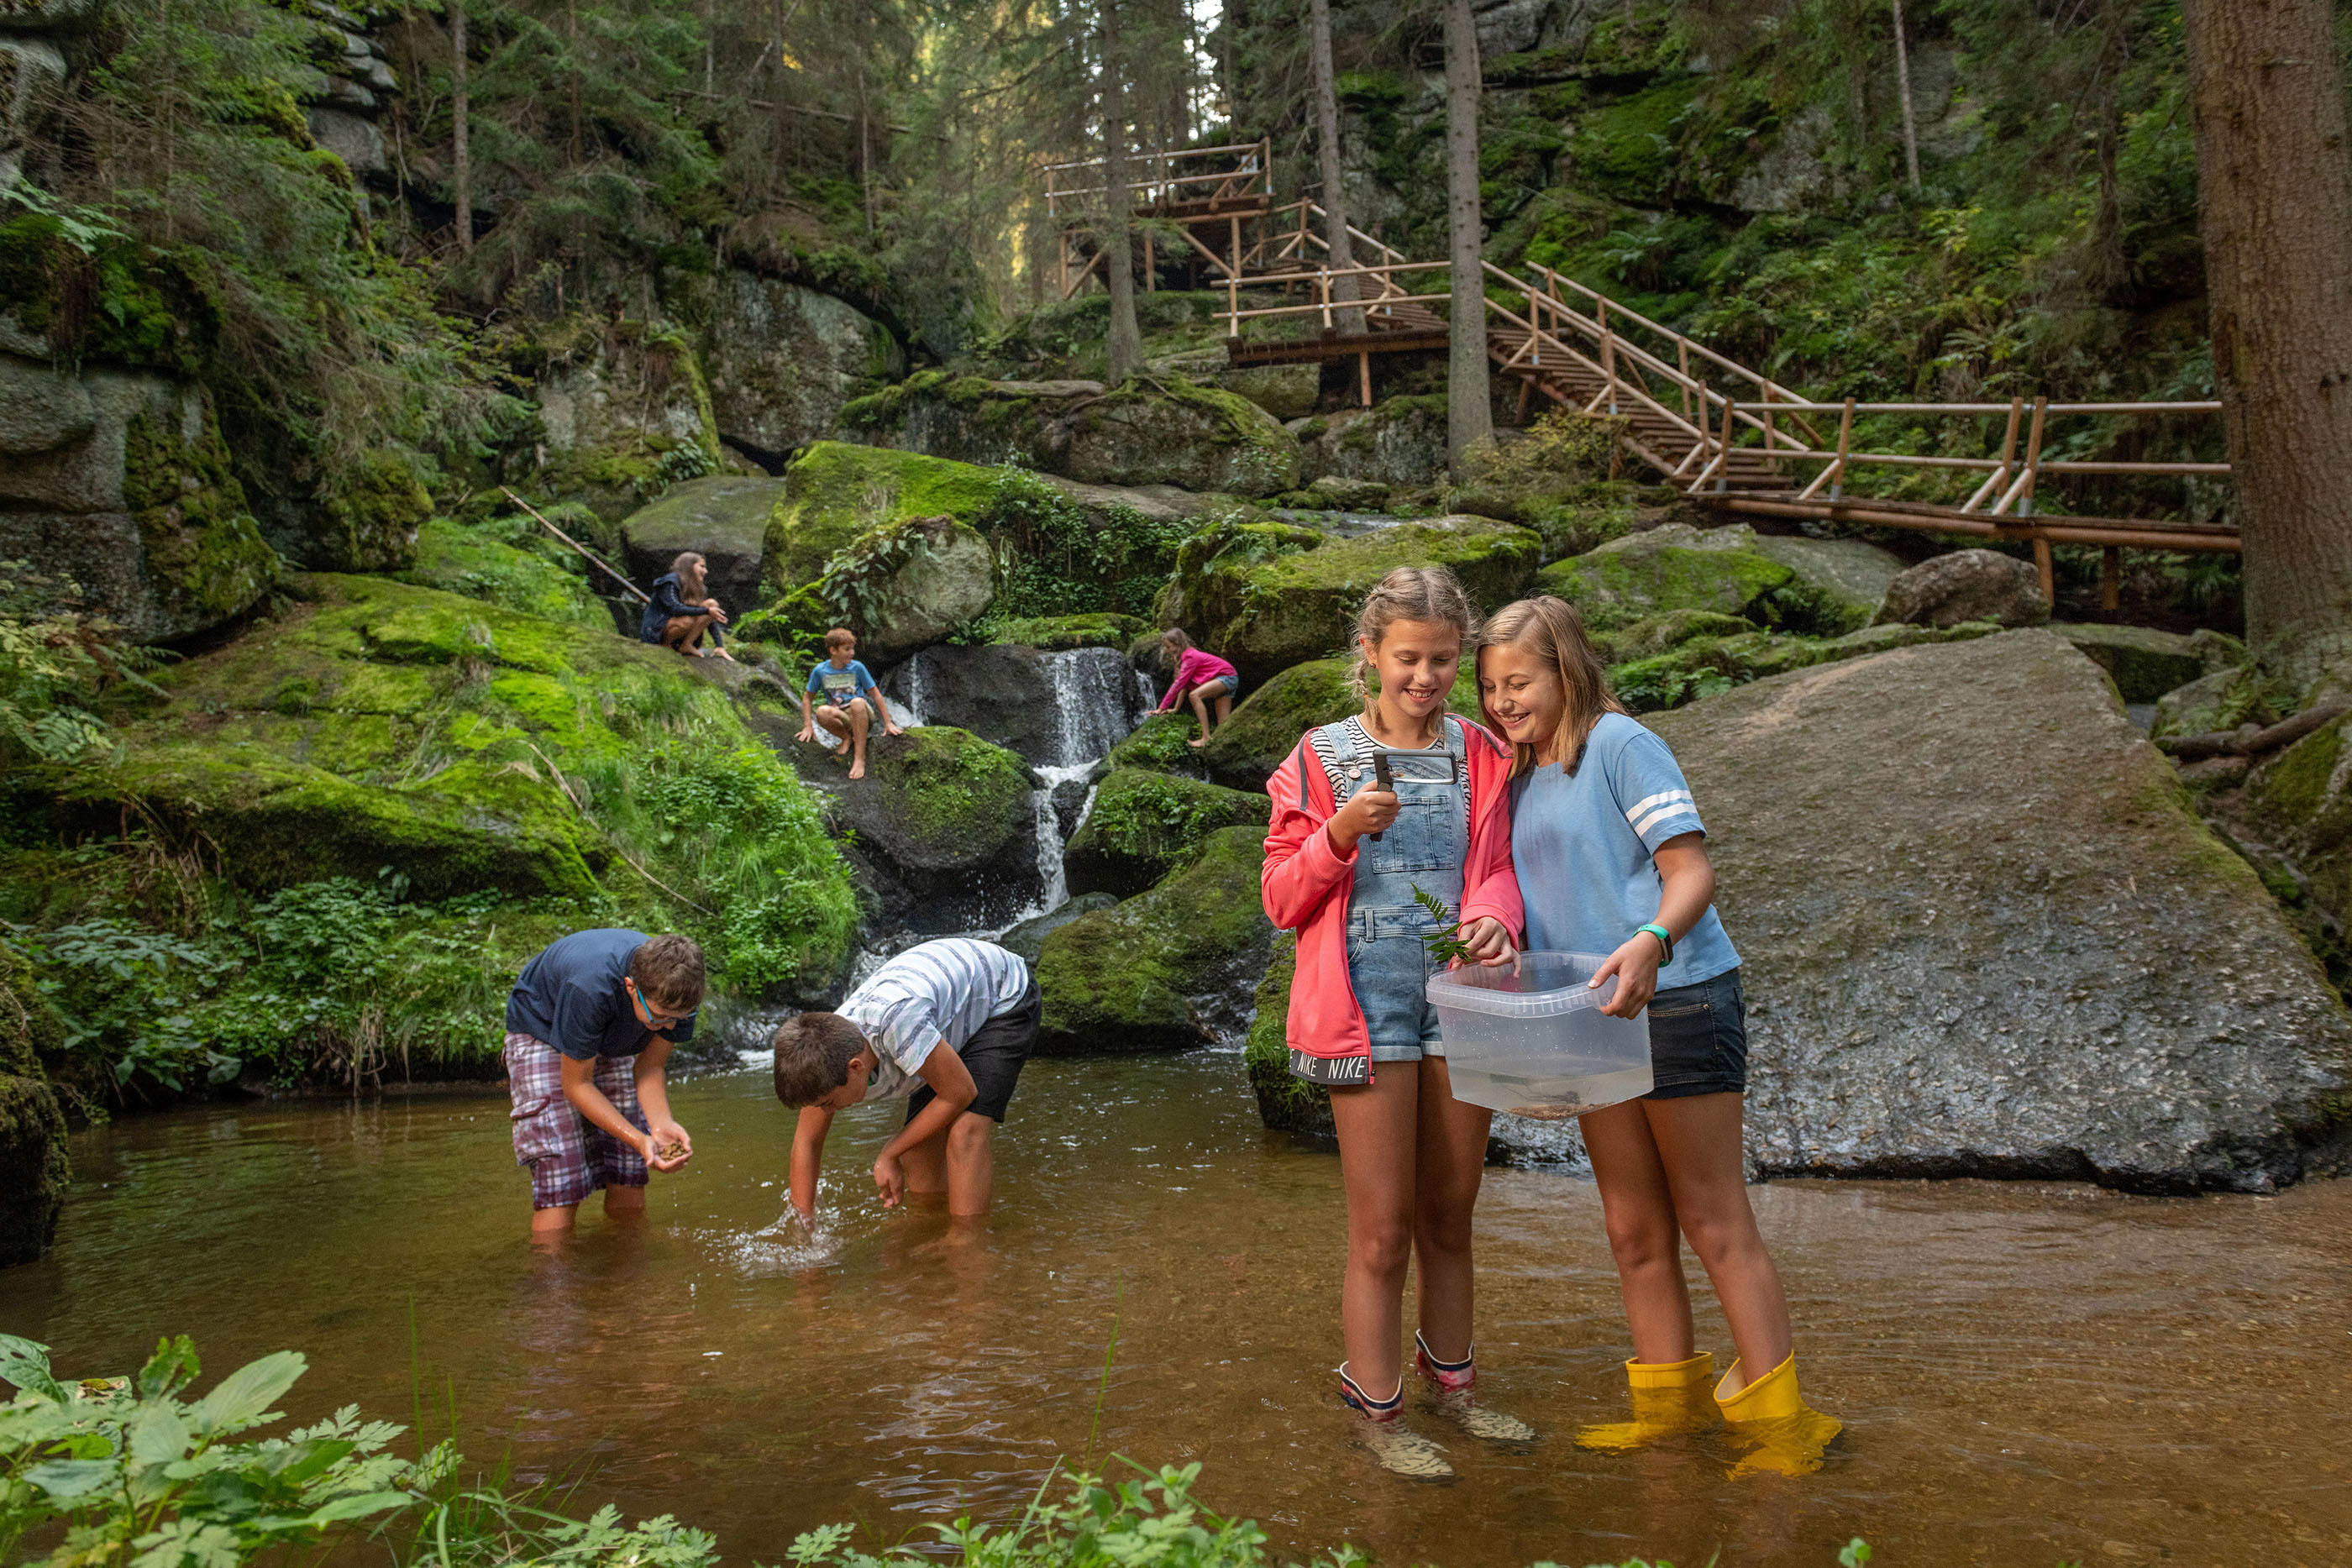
(680, 611)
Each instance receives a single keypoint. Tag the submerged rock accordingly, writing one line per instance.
(723, 517)
(1967, 585)
(1999, 944)
(1145, 825)
(1268, 596)
(1169, 970)
(945, 823)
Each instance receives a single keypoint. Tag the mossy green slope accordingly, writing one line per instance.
(1674, 568)
(835, 492)
(485, 562)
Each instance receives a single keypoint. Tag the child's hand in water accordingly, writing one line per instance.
(890, 1180)
(1488, 941)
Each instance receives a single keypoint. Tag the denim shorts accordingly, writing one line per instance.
(1699, 1039)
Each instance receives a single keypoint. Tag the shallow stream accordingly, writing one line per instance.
(2029, 1373)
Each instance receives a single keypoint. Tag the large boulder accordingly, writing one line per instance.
(1710, 662)
(1999, 944)
(1268, 596)
(1145, 825)
(625, 411)
(1056, 709)
(1845, 581)
(118, 482)
(1676, 566)
(909, 585)
(947, 828)
(1399, 440)
(1286, 392)
(1164, 431)
(1028, 937)
(782, 360)
(1967, 585)
(1267, 723)
(723, 517)
(2295, 819)
(835, 493)
(2145, 663)
(505, 567)
(1173, 969)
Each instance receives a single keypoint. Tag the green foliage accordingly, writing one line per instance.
(1443, 941)
(57, 661)
(1062, 561)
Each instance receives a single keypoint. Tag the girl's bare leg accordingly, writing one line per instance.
(1638, 1206)
(1200, 711)
(1376, 1124)
(1450, 1159)
(1224, 711)
(1698, 1138)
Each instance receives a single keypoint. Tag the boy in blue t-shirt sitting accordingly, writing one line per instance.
(590, 1024)
(851, 698)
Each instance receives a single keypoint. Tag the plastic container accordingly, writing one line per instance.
(1536, 1043)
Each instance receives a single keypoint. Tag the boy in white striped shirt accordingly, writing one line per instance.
(947, 1026)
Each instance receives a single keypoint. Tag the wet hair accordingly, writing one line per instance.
(813, 1054)
(1172, 643)
(669, 972)
(840, 637)
(1409, 593)
(687, 565)
(1552, 628)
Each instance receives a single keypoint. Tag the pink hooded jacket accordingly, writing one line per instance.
(1306, 885)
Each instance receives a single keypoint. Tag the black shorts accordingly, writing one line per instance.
(994, 1056)
(1698, 1040)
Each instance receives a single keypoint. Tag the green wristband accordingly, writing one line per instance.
(1666, 939)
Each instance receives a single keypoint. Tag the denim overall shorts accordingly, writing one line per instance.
(1424, 848)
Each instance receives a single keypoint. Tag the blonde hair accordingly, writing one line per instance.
(688, 562)
(1172, 644)
(1552, 628)
(1409, 593)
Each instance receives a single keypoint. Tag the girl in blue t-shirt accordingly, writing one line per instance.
(1612, 859)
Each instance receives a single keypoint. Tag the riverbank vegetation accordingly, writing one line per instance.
(137, 1470)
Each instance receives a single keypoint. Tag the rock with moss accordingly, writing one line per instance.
(2230, 695)
(502, 565)
(1172, 970)
(2145, 662)
(1705, 665)
(1146, 824)
(624, 409)
(945, 824)
(33, 1171)
(1663, 634)
(784, 360)
(723, 517)
(1842, 581)
(1267, 722)
(907, 585)
(836, 493)
(1028, 937)
(119, 482)
(1057, 708)
(1268, 595)
(1286, 1102)
(1400, 441)
(1948, 971)
(1056, 633)
(2295, 822)
(1155, 431)
(1967, 585)
(371, 513)
(1160, 744)
(1676, 566)
(471, 747)
(1286, 392)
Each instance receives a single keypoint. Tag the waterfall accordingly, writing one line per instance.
(1093, 710)
(912, 718)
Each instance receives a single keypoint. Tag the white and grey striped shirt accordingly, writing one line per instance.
(941, 991)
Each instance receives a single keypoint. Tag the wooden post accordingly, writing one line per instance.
(1845, 441)
(1681, 363)
(1364, 374)
(2111, 579)
(2032, 458)
(1234, 222)
(1723, 467)
(2047, 569)
(1770, 443)
(1323, 287)
(1062, 263)
(1232, 307)
(1150, 270)
(1527, 386)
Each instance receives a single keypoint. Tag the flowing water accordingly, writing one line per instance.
(2029, 1373)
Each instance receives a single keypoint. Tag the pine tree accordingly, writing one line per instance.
(1469, 409)
(1125, 349)
(1326, 136)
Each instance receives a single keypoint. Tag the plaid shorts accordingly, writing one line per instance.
(568, 1158)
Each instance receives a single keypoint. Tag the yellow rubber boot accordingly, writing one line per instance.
(1669, 1396)
(1771, 1425)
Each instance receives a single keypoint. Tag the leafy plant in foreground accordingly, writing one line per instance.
(1444, 943)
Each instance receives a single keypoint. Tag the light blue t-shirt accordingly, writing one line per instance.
(1581, 844)
(838, 687)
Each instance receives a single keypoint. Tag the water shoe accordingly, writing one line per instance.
(1769, 1422)
(1399, 1449)
(1452, 1393)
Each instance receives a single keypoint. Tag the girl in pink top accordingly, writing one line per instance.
(1348, 857)
(1209, 678)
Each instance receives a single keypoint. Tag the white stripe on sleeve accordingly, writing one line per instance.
(1668, 797)
(1664, 814)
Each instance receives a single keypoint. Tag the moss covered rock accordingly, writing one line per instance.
(1160, 430)
(1704, 665)
(784, 359)
(1676, 566)
(1267, 724)
(1159, 745)
(836, 493)
(1841, 581)
(493, 565)
(32, 1168)
(626, 413)
(1967, 585)
(2145, 662)
(723, 517)
(909, 584)
(372, 517)
(1286, 1102)
(1268, 596)
(2000, 943)
(1057, 633)
(945, 824)
(1400, 441)
(1146, 824)
(1172, 970)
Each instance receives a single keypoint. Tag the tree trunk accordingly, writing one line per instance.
(571, 52)
(460, 160)
(2274, 205)
(1903, 87)
(864, 119)
(1125, 349)
(1326, 133)
(1469, 413)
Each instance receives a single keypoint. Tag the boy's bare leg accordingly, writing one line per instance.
(834, 719)
(926, 1165)
(972, 1165)
(625, 1203)
(861, 717)
(557, 1218)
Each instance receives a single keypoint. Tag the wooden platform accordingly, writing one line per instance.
(1330, 346)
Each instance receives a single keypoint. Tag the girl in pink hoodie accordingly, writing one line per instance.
(1346, 863)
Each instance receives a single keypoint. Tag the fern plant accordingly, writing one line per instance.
(1444, 943)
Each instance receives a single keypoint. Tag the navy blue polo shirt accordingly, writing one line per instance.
(570, 996)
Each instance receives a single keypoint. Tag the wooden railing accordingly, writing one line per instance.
(1242, 169)
(1378, 293)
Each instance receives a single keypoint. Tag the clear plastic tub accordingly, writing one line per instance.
(1536, 1043)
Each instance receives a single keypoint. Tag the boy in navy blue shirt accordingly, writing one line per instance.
(851, 698)
(590, 1024)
